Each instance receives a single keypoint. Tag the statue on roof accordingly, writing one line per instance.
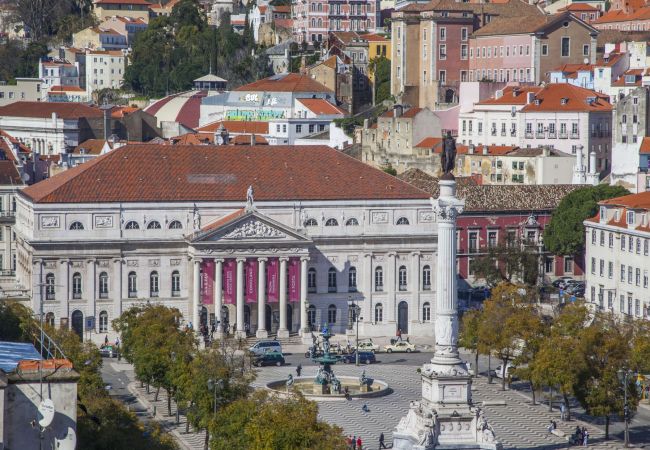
(448, 155)
(249, 197)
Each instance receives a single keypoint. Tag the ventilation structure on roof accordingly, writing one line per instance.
(564, 101)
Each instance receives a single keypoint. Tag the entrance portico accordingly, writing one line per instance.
(249, 262)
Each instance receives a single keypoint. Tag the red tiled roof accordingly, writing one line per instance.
(512, 95)
(45, 110)
(620, 16)
(645, 146)
(160, 173)
(429, 142)
(224, 220)
(320, 106)
(237, 126)
(123, 2)
(372, 37)
(632, 201)
(9, 173)
(291, 82)
(611, 60)
(193, 139)
(283, 23)
(90, 146)
(636, 73)
(121, 111)
(284, 9)
(409, 113)
(245, 139)
(66, 89)
(550, 97)
(580, 7)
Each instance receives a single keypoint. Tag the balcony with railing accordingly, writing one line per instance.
(7, 217)
(552, 135)
(529, 134)
(575, 135)
(563, 135)
(539, 135)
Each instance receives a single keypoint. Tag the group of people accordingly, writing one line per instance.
(354, 443)
(580, 436)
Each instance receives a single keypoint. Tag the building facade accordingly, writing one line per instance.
(104, 69)
(314, 19)
(618, 257)
(306, 230)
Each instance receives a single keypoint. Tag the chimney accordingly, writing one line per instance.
(365, 124)
(485, 149)
(546, 151)
(499, 93)
(592, 162)
(398, 110)
(252, 138)
(54, 119)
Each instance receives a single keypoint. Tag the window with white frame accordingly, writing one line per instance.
(379, 279)
(426, 312)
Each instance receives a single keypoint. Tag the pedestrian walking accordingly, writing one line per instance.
(354, 443)
(365, 408)
(381, 441)
(562, 412)
(298, 369)
(348, 442)
(106, 340)
(399, 334)
(585, 437)
(359, 443)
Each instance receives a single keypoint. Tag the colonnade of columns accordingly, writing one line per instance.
(240, 294)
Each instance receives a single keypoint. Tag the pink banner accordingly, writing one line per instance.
(272, 280)
(294, 279)
(207, 281)
(229, 281)
(251, 280)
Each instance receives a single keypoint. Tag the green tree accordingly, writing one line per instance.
(265, 422)
(469, 334)
(380, 68)
(565, 234)
(509, 262)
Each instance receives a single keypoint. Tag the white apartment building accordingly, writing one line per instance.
(235, 220)
(28, 89)
(58, 73)
(104, 69)
(618, 256)
(562, 116)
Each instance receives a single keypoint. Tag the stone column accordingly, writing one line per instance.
(218, 295)
(390, 282)
(92, 289)
(6, 264)
(367, 280)
(117, 287)
(283, 332)
(262, 332)
(240, 298)
(415, 285)
(196, 294)
(303, 297)
(446, 208)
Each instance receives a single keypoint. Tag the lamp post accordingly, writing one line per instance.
(176, 393)
(214, 386)
(352, 305)
(623, 375)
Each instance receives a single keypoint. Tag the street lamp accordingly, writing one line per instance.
(178, 419)
(214, 386)
(352, 306)
(623, 375)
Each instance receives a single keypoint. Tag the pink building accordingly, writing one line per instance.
(314, 19)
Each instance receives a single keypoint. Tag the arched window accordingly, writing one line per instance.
(311, 223)
(331, 223)
(311, 315)
(103, 285)
(352, 222)
(49, 287)
(49, 319)
(76, 285)
(311, 280)
(175, 225)
(426, 312)
(331, 280)
(352, 279)
(176, 283)
(133, 285)
(402, 221)
(379, 279)
(132, 225)
(379, 313)
(331, 314)
(154, 225)
(426, 278)
(154, 286)
(402, 278)
(313, 23)
(103, 322)
(76, 226)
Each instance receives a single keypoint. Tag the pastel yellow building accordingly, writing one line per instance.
(377, 46)
(135, 9)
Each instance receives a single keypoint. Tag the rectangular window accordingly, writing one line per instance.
(492, 238)
(585, 50)
(473, 242)
(623, 273)
(443, 51)
(443, 34)
(463, 34)
(601, 268)
(629, 275)
(610, 269)
(442, 76)
(566, 46)
(298, 128)
(593, 265)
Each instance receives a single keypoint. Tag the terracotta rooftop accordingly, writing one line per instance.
(245, 139)
(321, 106)
(645, 146)
(46, 109)
(632, 201)
(283, 9)
(89, 147)
(576, 99)
(164, 173)
(579, 7)
(66, 89)
(123, 2)
(494, 198)
(9, 173)
(511, 8)
(291, 82)
(409, 113)
(621, 16)
(237, 126)
(372, 37)
(511, 95)
(429, 142)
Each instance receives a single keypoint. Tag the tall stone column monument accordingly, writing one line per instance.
(444, 418)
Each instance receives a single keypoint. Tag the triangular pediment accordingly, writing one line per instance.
(249, 226)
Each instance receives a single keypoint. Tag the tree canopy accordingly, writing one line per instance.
(565, 234)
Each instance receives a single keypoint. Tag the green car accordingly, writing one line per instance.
(269, 358)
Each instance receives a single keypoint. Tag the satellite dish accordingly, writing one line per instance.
(586, 60)
(69, 442)
(46, 412)
(25, 177)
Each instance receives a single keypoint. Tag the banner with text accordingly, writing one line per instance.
(251, 280)
(207, 281)
(229, 281)
(294, 279)
(272, 280)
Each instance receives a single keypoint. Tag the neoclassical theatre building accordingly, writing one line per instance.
(280, 239)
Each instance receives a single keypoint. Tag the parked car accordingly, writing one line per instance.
(108, 351)
(269, 359)
(561, 282)
(499, 372)
(575, 286)
(400, 346)
(262, 347)
(368, 346)
(364, 358)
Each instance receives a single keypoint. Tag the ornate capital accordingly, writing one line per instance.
(304, 258)
(218, 260)
(241, 260)
(447, 209)
(263, 259)
(283, 258)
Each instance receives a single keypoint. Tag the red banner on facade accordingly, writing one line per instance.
(272, 280)
(229, 281)
(294, 279)
(251, 280)
(207, 281)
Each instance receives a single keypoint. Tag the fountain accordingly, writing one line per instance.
(327, 386)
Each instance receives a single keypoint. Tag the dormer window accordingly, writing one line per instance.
(537, 102)
(630, 218)
(564, 101)
(603, 214)
(630, 79)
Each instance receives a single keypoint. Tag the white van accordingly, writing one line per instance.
(499, 372)
(261, 347)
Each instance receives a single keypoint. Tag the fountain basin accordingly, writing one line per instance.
(315, 391)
